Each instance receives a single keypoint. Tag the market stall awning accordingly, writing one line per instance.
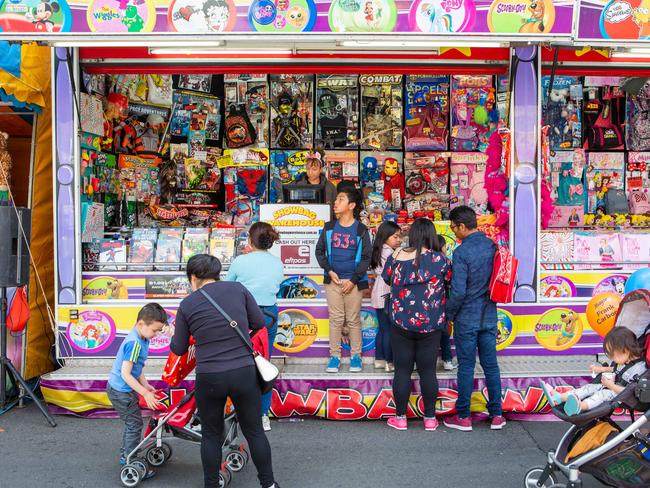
(23, 81)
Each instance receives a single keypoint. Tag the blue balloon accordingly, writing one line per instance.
(637, 280)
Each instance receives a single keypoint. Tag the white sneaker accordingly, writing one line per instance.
(380, 364)
(448, 366)
(266, 423)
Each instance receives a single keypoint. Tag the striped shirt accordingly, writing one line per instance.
(134, 349)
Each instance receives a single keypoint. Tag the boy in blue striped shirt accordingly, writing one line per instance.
(127, 380)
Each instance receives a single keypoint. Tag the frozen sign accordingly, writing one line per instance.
(299, 227)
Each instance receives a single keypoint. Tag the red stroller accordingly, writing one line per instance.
(181, 420)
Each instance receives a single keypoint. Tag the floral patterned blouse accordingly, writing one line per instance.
(418, 295)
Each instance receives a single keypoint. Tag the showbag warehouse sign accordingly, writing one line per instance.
(299, 227)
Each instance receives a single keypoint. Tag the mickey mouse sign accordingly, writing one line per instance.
(42, 16)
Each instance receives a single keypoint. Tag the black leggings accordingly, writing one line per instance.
(411, 348)
(241, 386)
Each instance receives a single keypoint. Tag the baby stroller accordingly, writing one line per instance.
(181, 420)
(596, 444)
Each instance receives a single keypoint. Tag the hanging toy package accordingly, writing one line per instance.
(245, 173)
(341, 165)
(286, 168)
(638, 120)
(427, 182)
(246, 101)
(381, 112)
(604, 175)
(567, 188)
(337, 114)
(382, 179)
(467, 183)
(291, 111)
(474, 112)
(427, 113)
(561, 110)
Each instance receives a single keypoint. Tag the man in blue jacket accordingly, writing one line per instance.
(343, 251)
(475, 318)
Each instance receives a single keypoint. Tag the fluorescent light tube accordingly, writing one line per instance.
(220, 51)
(419, 44)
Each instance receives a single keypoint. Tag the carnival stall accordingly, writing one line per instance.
(170, 144)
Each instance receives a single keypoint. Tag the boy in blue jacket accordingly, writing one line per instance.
(343, 251)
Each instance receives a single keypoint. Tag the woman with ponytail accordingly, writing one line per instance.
(261, 273)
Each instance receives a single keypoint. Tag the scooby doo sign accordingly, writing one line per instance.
(558, 329)
(521, 16)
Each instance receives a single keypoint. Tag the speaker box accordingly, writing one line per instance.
(14, 253)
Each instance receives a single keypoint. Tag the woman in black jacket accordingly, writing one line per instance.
(224, 365)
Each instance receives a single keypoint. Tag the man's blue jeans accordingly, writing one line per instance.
(272, 327)
(469, 339)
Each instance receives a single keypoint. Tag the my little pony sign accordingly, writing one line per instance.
(442, 16)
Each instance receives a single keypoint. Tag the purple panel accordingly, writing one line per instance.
(525, 203)
(65, 211)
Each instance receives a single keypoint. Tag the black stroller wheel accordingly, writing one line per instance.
(236, 460)
(168, 451)
(156, 456)
(225, 476)
(130, 476)
(534, 475)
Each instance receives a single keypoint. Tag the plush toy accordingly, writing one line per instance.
(496, 185)
(392, 179)
(116, 112)
(556, 105)
(546, 204)
(6, 164)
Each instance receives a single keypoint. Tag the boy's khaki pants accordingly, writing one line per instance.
(344, 310)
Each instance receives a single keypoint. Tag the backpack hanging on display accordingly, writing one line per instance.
(239, 129)
(464, 137)
(638, 133)
(604, 134)
(504, 276)
(615, 202)
(638, 202)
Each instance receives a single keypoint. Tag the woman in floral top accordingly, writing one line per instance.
(418, 277)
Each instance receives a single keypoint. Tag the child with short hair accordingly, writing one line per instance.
(622, 347)
(127, 380)
(343, 251)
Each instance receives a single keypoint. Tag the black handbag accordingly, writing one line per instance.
(267, 372)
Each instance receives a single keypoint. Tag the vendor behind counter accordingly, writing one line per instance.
(313, 175)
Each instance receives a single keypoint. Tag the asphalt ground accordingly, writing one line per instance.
(313, 453)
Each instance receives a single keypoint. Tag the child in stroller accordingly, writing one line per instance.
(623, 348)
(616, 455)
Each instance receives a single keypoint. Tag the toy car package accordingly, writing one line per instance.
(246, 102)
(292, 98)
(474, 114)
(337, 117)
(561, 111)
(381, 112)
(427, 113)
(426, 181)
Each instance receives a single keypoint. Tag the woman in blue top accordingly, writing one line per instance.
(418, 277)
(261, 273)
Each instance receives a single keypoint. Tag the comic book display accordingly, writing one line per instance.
(381, 112)
(292, 111)
(337, 115)
(426, 113)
